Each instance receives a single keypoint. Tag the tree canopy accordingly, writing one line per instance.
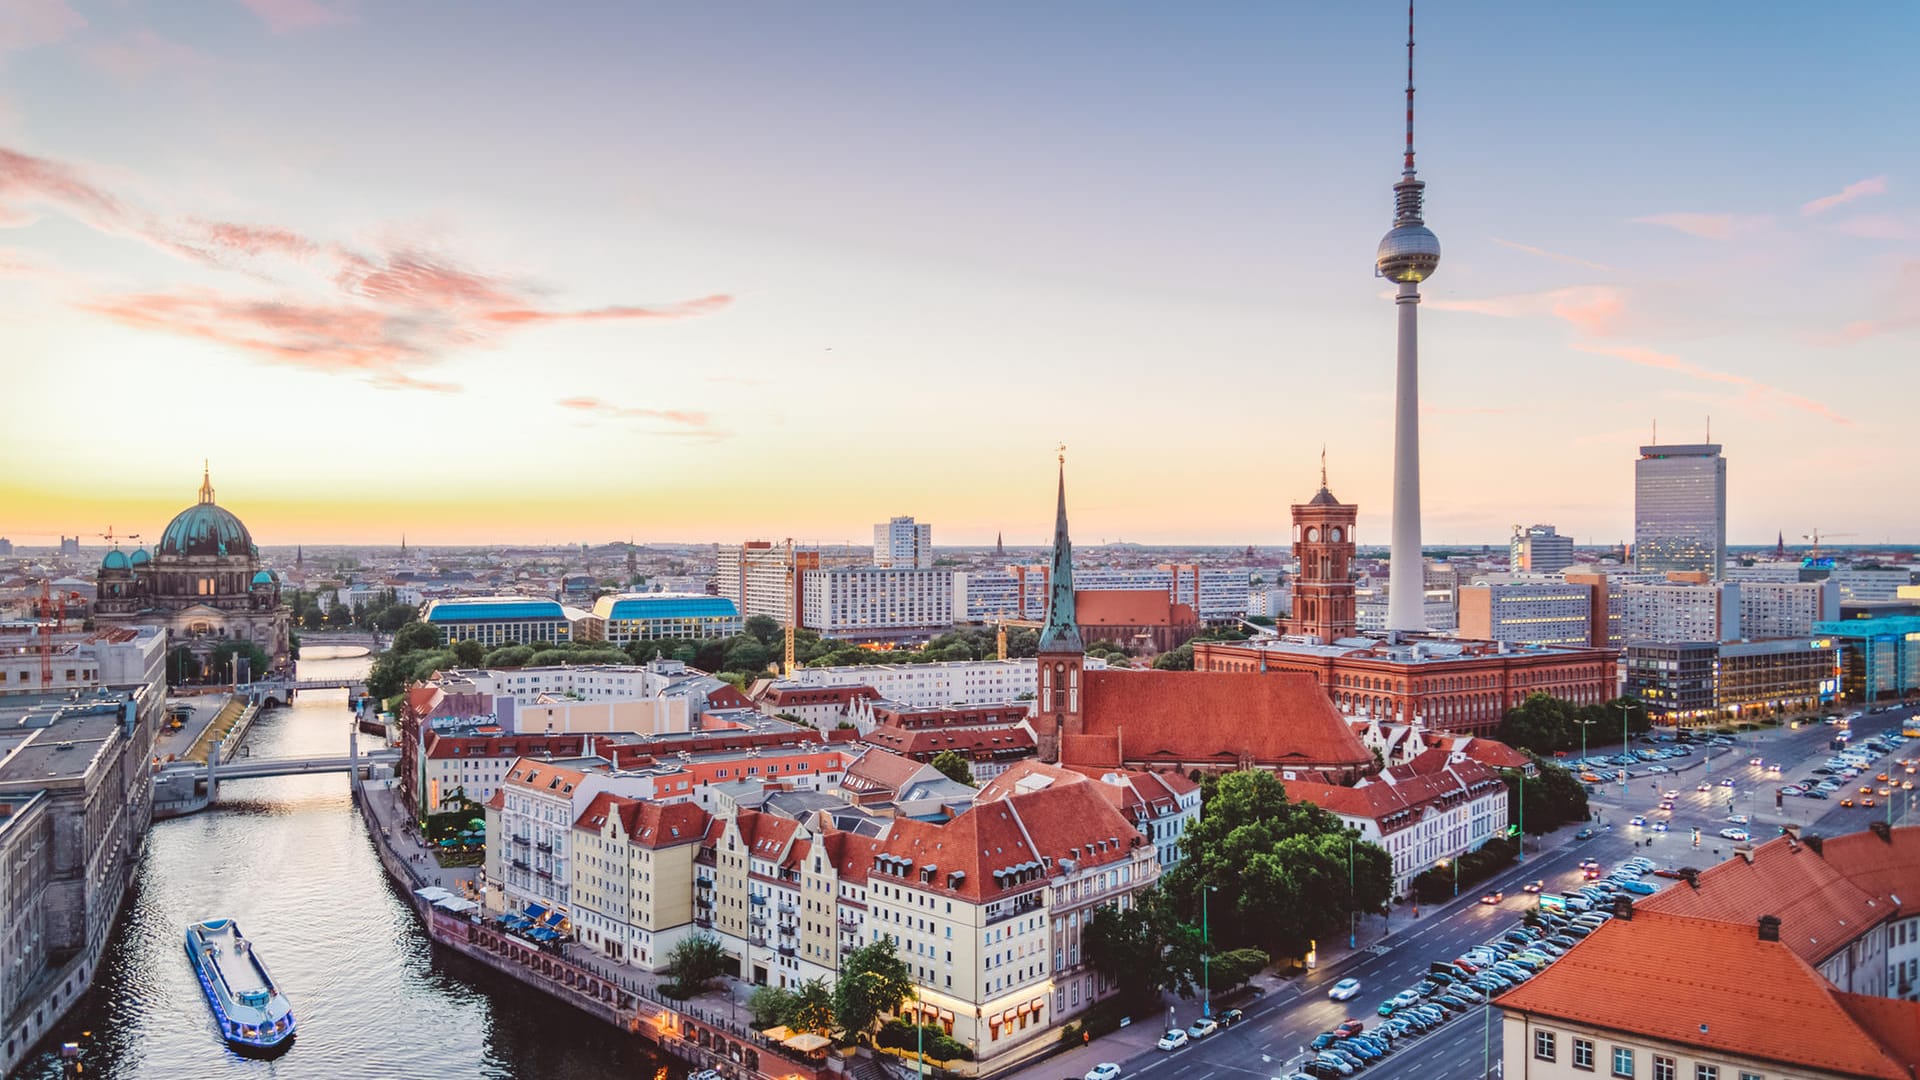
(693, 963)
(1283, 872)
(954, 766)
(874, 982)
(1544, 724)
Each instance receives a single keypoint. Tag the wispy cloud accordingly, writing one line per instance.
(1874, 185)
(382, 316)
(1571, 260)
(685, 422)
(1705, 226)
(1753, 390)
(28, 24)
(1594, 310)
(140, 54)
(1874, 228)
(1903, 311)
(287, 16)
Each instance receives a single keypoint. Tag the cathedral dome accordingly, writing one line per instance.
(140, 558)
(264, 577)
(115, 560)
(205, 529)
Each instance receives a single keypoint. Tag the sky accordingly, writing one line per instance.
(586, 272)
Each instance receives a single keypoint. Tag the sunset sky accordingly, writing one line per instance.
(578, 272)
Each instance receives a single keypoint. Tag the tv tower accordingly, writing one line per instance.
(1408, 254)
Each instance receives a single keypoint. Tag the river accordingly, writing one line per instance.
(290, 859)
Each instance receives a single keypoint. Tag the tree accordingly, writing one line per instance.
(747, 655)
(1284, 872)
(469, 652)
(954, 766)
(812, 1008)
(693, 963)
(1235, 966)
(419, 635)
(769, 1005)
(182, 666)
(339, 616)
(220, 665)
(1553, 797)
(764, 628)
(874, 981)
(1541, 723)
(1127, 947)
(1180, 659)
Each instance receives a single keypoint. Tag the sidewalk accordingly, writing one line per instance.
(400, 836)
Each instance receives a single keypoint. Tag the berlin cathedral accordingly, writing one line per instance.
(203, 582)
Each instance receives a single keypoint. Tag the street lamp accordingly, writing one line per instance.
(1626, 744)
(1206, 957)
(1353, 916)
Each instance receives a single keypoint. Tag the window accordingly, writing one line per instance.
(1662, 1068)
(1622, 1061)
(1543, 1045)
(1583, 1054)
(1751, 1076)
(1706, 1072)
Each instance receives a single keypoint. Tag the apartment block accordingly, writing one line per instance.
(1547, 611)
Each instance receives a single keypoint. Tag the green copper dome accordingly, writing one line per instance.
(115, 560)
(264, 577)
(140, 558)
(205, 529)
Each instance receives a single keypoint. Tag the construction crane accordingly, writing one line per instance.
(1000, 638)
(51, 611)
(1817, 534)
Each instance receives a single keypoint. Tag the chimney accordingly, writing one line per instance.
(1814, 841)
(1769, 928)
(1691, 876)
(1882, 830)
(1745, 851)
(1623, 908)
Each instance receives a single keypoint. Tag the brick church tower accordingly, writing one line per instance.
(1323, 604)
(1062, 653)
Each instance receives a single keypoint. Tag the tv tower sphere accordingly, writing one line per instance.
(1408, 253)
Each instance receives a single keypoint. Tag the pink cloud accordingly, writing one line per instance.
(682, 310)
(27, 24)
(380, 316)
(287, 16)
(1572, 260)
(141, 54)
(1754, 391)
(1705, 226)
(1594, 310)
(690, 422)
(1875, 185)
(1874, 228)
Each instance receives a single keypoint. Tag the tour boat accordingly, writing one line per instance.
(253, 1014)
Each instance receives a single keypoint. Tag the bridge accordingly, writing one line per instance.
(249, 768)
(369, 639)
(281, 691)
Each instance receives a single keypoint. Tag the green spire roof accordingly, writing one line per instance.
(1062, 632)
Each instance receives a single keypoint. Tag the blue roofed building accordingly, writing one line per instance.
(625, 617)
(506, 620)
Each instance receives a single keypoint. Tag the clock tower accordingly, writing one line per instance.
(1323, 593)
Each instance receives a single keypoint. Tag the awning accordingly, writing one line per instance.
(536, 911)
(1039, 1003)
(807, 1042)
(778, 1034)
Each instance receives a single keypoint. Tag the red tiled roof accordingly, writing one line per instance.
(975, 743)
(656, 825)
(1820, 911)
(1887, 868)
(1275, 720)
(1402, 796)
(1129, 607)
(1485, 751)
(880, 770)
(787, 697)
(1893, 1022)
(1753, 998)
(499, 800)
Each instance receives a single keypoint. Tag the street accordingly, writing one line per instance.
(1279, 1025)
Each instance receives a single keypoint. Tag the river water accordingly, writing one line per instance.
(290, 859)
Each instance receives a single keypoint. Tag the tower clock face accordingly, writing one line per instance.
(1333, 534)
(1313, 535)
(1059, 669)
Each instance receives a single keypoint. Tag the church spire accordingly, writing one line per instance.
(1062, 630)
(206, 482)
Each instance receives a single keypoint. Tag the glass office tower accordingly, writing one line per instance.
(1680, 509)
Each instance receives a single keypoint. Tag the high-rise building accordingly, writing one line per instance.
(1407, 255)
(1539, 549)
(1680, 611)
(1680, 509)
(758, 578)
(902, 544)
(1548, 611)
(872, 603)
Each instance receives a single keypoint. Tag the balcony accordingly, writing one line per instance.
(704, 922)
(547, 874)
(758, 941)
(787, 909)
(520, 839)
(758, 899)
(849, 923)
(759, 921)
(789, 929)
(520, 863)
(542, 845)
(705, 881)
(786, 950)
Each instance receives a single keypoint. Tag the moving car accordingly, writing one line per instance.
(1583, 834)
(1739, 819)
(1106, 1070)
(1734, 834)
(1533, 886)
(1174, 1039)
(1344, 990)
(1230, 1017)
(1493, 897)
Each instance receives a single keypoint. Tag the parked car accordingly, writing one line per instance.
(1174, 1039)
(1106, 1070)
(1230, 1017)
(1202, 1028)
